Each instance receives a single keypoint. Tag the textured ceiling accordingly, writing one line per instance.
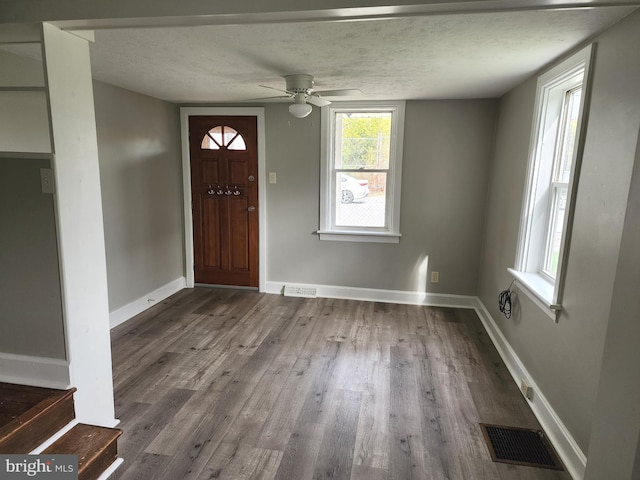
(425, 57)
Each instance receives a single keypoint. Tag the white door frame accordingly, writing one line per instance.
(258, 112)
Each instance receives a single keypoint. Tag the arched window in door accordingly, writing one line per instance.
(223, 137)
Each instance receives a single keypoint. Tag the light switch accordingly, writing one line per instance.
(46, 180)
(272, 177)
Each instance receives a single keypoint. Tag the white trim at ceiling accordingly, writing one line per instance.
(185, 113)
(136, 14)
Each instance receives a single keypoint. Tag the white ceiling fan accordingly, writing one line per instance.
(300, 89)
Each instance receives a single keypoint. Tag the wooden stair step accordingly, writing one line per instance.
(96, 448)
(31, 415)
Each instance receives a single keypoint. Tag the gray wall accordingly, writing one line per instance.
(21, 71)
(24, 122)
(30, 299)
(141, 182)
(31, 320)
(565, 358)
(447, 148)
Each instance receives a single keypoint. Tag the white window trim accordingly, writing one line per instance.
(327, 230)
(539, 290)
(546, 293)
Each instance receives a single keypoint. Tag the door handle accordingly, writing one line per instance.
(251, 209)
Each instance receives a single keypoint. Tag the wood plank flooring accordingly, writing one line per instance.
(233, 384)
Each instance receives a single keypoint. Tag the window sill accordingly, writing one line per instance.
(539, 290)
(359, 236)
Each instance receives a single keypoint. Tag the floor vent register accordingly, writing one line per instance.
(520, 446)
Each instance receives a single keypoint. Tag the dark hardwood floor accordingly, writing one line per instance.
(231, 384)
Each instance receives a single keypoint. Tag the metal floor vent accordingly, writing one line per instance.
(520, 446)
(297, 291)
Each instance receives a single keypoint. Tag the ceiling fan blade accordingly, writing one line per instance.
(317, 101)
(339, 93)
(276, 89)
(282, 97)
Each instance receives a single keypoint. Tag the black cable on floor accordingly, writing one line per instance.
(504, 301)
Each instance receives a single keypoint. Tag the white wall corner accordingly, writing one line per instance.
(34, 371)
(572, 456)
(139, 305)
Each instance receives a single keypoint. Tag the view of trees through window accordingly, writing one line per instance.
(365, 140)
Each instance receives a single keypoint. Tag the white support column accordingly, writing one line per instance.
(80, 225)
(614, 447)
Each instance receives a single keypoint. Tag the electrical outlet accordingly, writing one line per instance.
(526, 389)
(272, 177)
(435, 277)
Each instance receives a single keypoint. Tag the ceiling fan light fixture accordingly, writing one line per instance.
(300, 89)
(300, 110)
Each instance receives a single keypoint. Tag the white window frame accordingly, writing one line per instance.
(529, 273)
(328, 230)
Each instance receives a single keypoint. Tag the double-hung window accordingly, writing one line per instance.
(361, 167)
(552, 179)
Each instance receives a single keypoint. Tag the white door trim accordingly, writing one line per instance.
(258, 112)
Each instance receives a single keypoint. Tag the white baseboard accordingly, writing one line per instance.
(377, 295)
(572, 456)
(132, 309)
(34, 371)
(54, 438)
(112, 468)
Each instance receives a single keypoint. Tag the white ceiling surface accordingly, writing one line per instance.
(426, 57)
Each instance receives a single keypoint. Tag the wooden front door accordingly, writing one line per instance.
(224, 186)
